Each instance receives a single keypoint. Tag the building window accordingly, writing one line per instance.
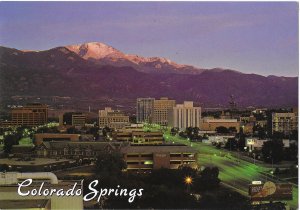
(132, 155)
(175, 162)
(175, 155)
(132, 163)
(146, 155)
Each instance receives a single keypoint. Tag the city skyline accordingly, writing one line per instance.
(254, 37)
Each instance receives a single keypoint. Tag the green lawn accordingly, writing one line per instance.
(25, 141)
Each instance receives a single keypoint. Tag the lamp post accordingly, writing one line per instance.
(272, 159)
(188, 181)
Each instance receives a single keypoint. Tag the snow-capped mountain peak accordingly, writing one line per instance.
(107, 55)
(95, 50)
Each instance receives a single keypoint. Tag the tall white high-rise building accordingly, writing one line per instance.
(185, 115)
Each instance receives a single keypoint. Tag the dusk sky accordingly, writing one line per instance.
(255, 37)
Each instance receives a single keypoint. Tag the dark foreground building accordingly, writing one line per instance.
(150, 157)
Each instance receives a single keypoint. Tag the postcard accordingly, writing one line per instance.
(149, 105)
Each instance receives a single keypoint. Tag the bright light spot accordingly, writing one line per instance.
(256, 182)
(148, 162)
(188, 180)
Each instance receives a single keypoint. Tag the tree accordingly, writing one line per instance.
(110, 164)
(231, 144)
(9, 141)
(278, 135)
(277, 171)
(73, 130)
(174, 131)
(182, 134)
(222, 129)
(22, 131)
(94, 131)
(46, 129)
(192, 133)
(4, 167)
(67, 118)
(232, 130)
(218, 145)
(294, 135)
(241, 142)
(207, 180)
(272, 151)
(224, 199)
(132, 119)
(106, 131)
(291, 153)
(259, 131)
(241, 139)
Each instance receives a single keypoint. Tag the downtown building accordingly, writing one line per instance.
(185, 115)
(138, 137)
(161, 110)
(113, 119)
(144, 110)
(150, 110)
(284, 122)
(75, 119)
(149, 157)
(211, 124)
(78, 120)
(29, 115)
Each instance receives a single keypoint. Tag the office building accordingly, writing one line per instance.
(210, 124)
(162, 109)
(160, 156)
(78, 120)
(43, 137)
(138, 137)
(185, 115)
(284, 122)
(29, 115)
(74, 150)
(113, 119)
(144, 110)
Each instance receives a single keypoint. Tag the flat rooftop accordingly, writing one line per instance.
(33, 162)
(158, 148)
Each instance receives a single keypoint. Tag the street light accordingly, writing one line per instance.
(188, 181)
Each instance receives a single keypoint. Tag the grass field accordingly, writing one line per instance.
(25, 141)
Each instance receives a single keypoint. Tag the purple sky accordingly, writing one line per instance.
(255, 37)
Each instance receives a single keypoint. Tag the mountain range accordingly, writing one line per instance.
(95, 70)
